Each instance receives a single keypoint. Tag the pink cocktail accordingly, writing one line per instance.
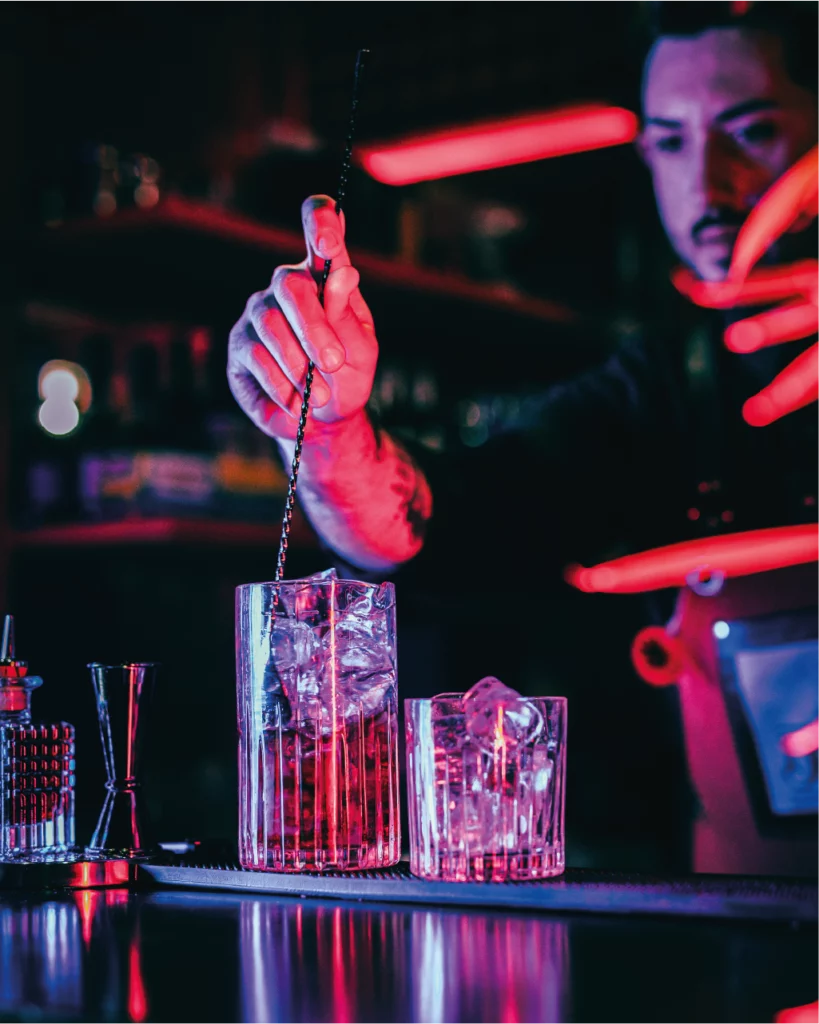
(317, 708)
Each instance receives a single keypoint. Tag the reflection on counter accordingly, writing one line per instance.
(115, 955)
(40, 960)
(507, 968)
(314, 961)
(74, 958)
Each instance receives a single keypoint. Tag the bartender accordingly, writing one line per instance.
(729, 105)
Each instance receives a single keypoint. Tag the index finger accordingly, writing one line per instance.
(297, 296)
(796, 386)
(323, 233)
(766, 285)
(789, 197)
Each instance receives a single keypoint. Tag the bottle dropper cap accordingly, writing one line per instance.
(10, 666)
(15, 682)
(7, 648)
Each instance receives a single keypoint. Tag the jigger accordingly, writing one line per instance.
(123, 695)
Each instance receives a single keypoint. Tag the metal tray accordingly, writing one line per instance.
(720, 896)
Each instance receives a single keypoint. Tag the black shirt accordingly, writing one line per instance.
(648, 449)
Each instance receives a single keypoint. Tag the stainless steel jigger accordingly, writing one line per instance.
(123, 695)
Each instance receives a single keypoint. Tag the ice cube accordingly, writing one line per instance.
(325, 574)
(362, 655)
(543, 768)
(496, 715)
(295, 599)
(448, 722)
(291, 659)
(332, 650)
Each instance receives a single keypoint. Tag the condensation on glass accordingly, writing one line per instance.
(317, 713)
(486, 802)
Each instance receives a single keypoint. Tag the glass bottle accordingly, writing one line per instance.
(36, 769)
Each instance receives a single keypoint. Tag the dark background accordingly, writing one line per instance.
(243, 107)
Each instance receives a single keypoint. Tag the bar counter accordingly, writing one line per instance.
(707, 949)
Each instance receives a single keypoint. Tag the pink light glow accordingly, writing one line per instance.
(795, 387)
(803, 741)
(501, 143)
(807, 1014)
(736, 555)
(658, 658)
(788, 323)
(137, 998)
(87, 900)
(767, 285)
(791, 199)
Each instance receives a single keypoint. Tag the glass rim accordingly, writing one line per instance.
(306, 582)
(124, 664)
(449, 697)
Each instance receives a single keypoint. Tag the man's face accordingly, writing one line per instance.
(722, 121)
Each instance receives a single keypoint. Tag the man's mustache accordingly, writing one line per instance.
(722, 218)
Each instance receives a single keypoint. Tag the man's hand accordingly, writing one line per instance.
(790, 202)
(285, 325)
(363, 493)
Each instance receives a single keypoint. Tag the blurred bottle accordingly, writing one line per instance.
(38, 474)
(406, 398)
(104, 179)
(112, 491)
(425, 402)
(182, 415)
(138, 182)
(98, 432)
(178, 478)
(391, 394)
(96, 356)
(249, 477)
(168, 438)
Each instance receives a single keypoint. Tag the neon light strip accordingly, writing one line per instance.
(500, 143)
(736, 555)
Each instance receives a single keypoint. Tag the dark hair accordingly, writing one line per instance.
(796, 24)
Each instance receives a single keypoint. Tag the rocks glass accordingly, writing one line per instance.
(486, 784)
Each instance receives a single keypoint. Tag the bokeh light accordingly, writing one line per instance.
(60, 385)
(58, 416)
(66, 393)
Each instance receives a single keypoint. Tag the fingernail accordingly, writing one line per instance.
(321, 395)
(759, 411)
(327, 242)
(332, 358)
(744, 336)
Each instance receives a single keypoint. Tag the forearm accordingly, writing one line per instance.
(363, 493)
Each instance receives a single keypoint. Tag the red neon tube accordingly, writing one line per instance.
(500, 143)
(738, 554)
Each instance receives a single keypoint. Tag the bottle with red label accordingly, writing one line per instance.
(36, 770)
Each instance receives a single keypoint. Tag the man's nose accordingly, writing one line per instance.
(726, 174)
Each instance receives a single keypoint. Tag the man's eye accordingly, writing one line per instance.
(762, 131)
(670, 144)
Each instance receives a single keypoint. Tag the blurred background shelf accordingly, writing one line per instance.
(177, 221)
(175, 531)
(155, 162)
